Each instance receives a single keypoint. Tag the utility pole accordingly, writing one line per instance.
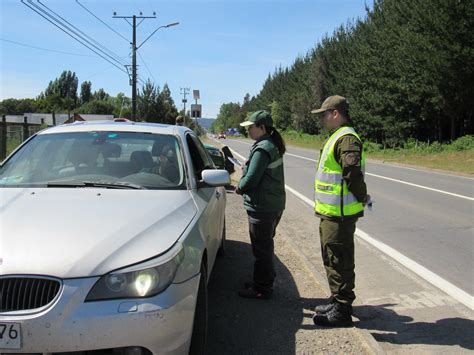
(184, 92)
(134, 69)
(133, 80)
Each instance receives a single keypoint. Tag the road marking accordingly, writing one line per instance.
(376, 162)
(421, 186)
(437, 281)
(392, 179)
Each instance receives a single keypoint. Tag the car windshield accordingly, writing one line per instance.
(97, 159)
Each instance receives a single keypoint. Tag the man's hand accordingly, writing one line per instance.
(366, 200)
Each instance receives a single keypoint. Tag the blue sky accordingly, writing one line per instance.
(224, 48)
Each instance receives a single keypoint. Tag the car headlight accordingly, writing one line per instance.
(147, 282)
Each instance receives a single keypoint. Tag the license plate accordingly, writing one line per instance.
(10, 336)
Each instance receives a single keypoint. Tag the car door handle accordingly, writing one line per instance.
(218, 195)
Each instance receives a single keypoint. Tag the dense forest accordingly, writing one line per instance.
(407, 69)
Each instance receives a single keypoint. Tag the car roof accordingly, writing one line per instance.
(120, 126)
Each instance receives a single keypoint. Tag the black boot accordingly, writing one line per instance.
(340, 315)
(323, 308)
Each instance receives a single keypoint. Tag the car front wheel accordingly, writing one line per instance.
(199, 337)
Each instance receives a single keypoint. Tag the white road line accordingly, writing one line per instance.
(392, 179)
(437, 281)
(378, 163)
(422, 187)
(398, 166)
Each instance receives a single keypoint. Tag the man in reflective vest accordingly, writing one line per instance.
(340, 198)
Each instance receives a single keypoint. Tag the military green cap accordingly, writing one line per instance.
(335, 102)
(261, 117)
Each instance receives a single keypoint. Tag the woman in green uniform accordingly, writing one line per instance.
(263, 189)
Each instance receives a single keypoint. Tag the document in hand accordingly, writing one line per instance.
(234, 161)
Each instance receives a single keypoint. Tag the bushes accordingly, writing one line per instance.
(303, 139)
(463, 143)
(412, 146)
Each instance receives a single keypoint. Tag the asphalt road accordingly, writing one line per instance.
(424, 215)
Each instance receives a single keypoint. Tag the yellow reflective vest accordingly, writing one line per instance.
(332, 197)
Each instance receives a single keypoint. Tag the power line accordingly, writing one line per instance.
(70, 35)
(102, 71)
(46, 49)
(102, 48)
(65, 28)
(109, 27)
(146, 66)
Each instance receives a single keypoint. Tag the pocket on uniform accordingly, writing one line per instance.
(339, 256)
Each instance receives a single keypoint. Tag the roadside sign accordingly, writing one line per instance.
(195, 111)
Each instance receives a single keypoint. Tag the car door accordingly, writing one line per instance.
(207, 198)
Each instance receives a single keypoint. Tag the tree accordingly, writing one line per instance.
(86, 93)
(406, 68)
(149, 107)
(100, 95)
(98, 107)
(229, 117)
(65, 86)
(169, 110)
(122, 105)
(17, 106)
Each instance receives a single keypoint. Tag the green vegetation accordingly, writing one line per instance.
(12, 144)
(304, 140)
(153, 104)
(457, 156)
(406, 68)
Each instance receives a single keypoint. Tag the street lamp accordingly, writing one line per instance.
(165, 26)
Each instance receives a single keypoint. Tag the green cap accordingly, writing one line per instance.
(261, 117)
(335, 102)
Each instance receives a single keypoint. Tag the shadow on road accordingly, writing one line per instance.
(246, 326)
(399, 329)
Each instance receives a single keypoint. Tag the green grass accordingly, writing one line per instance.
(12, 144)
(449, 161)
(456, 157)
(303, 140)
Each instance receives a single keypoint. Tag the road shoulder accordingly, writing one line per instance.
(282, 325)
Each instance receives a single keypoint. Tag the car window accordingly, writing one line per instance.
(199, 157)
(145, 160)
(209, 163)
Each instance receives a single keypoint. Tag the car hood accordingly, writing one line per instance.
(67, 233)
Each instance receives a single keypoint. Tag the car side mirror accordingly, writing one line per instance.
(215, 177)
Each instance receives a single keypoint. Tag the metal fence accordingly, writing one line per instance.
(13, 134)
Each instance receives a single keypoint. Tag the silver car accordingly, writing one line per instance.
(108, 234)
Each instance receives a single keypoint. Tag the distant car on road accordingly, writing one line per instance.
(221, 136)
(109, 234)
